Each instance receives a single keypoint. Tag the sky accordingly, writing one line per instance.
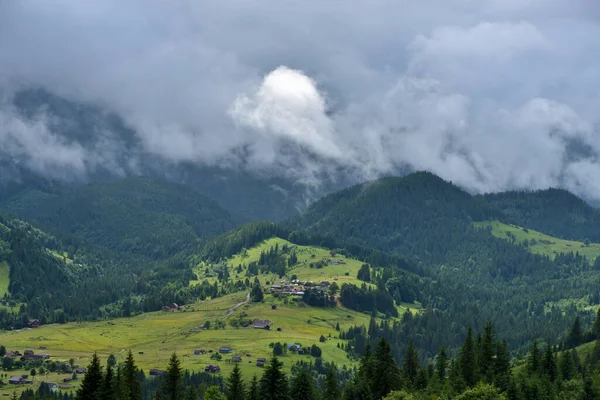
(490, 94)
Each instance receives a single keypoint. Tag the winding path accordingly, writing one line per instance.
(238, 305)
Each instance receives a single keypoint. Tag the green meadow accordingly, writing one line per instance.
(345, 273)
(153, 337)
(540, 243)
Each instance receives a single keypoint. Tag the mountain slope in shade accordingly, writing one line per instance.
(555, 212)
(135, 215)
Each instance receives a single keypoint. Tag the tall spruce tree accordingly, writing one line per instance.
(273, 384)
(549, 367)
(566, 365)
(173, 380)
(467, 360)
(441, 364)
(575, 337)
(107, 390)
(386, 375)
(534, 360)
(92, 381)
(303, 387)
(485, 363)
(253, 389)
(235, 385)
(410, 366)
(131, 386)
(596, 326)
(331, 388)
(502, 373)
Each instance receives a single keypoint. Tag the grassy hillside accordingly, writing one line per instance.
(538, 242)
(158, 334)
(555, 212)
(346, 272)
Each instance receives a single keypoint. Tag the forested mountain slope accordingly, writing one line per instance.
(478, 276)
(144, 217)
(555, 212)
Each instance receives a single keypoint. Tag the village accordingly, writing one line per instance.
(40, 364)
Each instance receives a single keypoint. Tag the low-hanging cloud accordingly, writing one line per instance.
(491, 94)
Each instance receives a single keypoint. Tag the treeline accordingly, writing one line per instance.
(555, 212)
(55, 283)
(480, 369)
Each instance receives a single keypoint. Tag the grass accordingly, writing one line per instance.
(306, 255)
(160, 334)
(543, 244)
(4, 278)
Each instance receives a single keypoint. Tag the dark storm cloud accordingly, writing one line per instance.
(491, 94)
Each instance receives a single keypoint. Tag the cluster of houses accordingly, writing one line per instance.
(213, 368)
(27, 355)
(170, 307)
(297, 288)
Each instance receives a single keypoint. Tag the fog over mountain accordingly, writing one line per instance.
(491, 94)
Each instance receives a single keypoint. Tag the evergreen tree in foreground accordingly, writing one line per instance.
(302, 387)
(467, 360)
(173, 380)
(441, 364)
(131, 387)
(331, 389)
(235, 385)
(273, 384)
(92, 381)
(386, 375)
(253, 389)
(107, 390)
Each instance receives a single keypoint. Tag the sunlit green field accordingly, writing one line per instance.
(346, 273)
(543, 244)
(160, 334)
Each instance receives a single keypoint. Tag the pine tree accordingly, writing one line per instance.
(410, 367)
(534, 360)
(502, 366)
(253, 393)
(131, 386)
(386, 375)
(235, 386)
(173, 379)
(365, 369)
(302, 387)
(596, 325)
(467, 361)
(441, 364)
(92, 381)
(575, 337)
(565, 365)
(549, 367)
(107, 390)
(331, 389)
(486, 354)
(273, 384)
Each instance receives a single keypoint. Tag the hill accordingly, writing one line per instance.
(144, 217)
(477, 274)
(555, 212)
(540, 243)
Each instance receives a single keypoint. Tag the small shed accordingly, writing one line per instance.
(212, 368)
